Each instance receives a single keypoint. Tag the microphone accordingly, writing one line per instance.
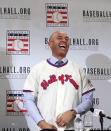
(98, 112)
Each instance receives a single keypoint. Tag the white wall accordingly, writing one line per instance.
(95, 28)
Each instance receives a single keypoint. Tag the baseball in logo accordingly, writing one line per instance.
(56, 14)
(18, 42)
(14, 103)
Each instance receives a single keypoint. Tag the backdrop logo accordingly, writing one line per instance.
(18, 42)
(14, 129)
(80, 43)
(56, 14)
(96, 102)
(14, 103)
(15, 13)
(96, 16)
(14, 72)
(98, 73)
(84, 43)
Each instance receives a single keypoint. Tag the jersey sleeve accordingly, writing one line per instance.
(31, 83)
(87, 86)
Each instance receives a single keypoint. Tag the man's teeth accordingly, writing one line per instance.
(62, 46)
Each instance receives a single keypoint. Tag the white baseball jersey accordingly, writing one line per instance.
(58, 89)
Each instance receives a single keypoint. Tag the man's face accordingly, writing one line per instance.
(59, 44)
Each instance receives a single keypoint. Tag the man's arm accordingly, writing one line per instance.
(29, 104)
(86, 104)
(83, 107)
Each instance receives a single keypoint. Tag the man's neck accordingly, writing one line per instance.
(59, 57)
(53, 60)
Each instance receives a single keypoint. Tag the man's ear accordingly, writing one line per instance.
(49, 43)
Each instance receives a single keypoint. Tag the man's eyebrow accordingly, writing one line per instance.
(62, 36)
(59, 36)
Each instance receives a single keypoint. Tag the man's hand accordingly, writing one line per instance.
(65, 118)
(44, 125)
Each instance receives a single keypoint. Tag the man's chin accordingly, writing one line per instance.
(62, 55)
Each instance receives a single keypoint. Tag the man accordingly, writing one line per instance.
(61, 88)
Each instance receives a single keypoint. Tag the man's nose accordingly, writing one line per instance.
(63, 39)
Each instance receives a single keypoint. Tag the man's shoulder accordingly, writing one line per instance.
(74, 64)
(38, 66)
(77, 67)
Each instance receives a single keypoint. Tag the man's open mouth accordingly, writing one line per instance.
(62, 46)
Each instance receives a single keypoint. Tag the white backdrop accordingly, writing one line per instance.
(25, 27)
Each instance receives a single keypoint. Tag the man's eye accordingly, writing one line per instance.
(67, 38)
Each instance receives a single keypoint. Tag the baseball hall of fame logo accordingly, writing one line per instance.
(15, 13)
(14, 103)
(56, 14)
(18, 42)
